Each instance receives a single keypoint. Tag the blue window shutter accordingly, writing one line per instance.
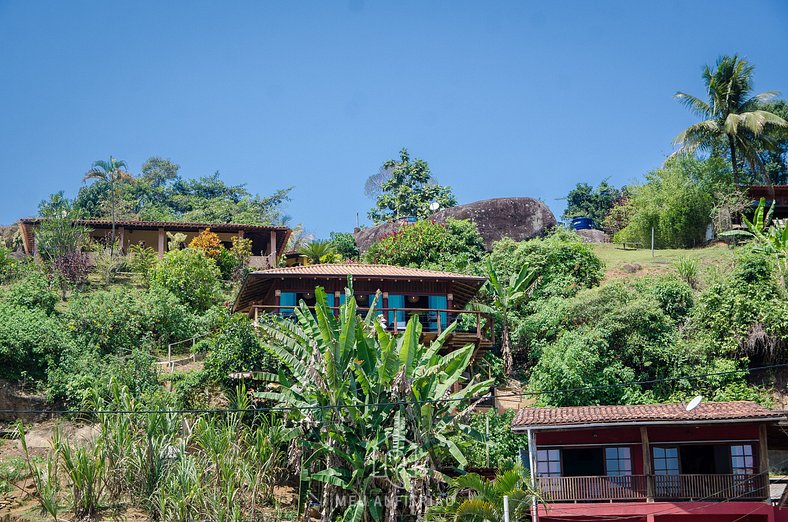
(287, 299)
(342, 299)
(330, 299)
(438, 302)
(396, 301)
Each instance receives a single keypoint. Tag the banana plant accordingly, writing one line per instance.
(375, 409)
(505, 296)
(768, 235)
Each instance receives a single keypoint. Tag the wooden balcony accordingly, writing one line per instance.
(711, 487)
(473, 327)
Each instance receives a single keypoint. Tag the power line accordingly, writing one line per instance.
(317, 407)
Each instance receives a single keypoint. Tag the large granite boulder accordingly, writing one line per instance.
(517, 218)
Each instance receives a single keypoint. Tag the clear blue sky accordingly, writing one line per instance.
(501, 98)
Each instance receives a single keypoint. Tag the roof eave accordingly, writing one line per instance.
(553, 427)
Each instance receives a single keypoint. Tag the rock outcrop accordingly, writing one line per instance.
(517, 218)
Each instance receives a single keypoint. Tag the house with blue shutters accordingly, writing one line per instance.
(436, 298)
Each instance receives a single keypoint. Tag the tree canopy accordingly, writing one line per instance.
(406, 188)
(160, 193)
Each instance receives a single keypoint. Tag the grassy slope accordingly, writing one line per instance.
(718, 256)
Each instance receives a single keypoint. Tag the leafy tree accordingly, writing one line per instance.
(408, 190)
(775, 156)
(584, 200)
(455, 245)
(191, 276)
(367, 457)
(476, 499)
(344, 244)
(160, 193)
(731, 114)
(111, 320)
(113, 173)
(677, 200)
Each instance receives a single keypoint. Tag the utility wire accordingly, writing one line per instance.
(392, 403)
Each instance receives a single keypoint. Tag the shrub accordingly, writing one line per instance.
(207, 242)
(687, 267)
(80, 371)
(8, 264)
(72, 268)
(142, 259)
(189, 275)
(29, 341)
(110, 320)
(165, 318)
(744, 312)
(34, 291)
(235, 347)
(564, 262)
(426, 244)
(673, 296)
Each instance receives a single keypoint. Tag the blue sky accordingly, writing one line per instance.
(501, 98)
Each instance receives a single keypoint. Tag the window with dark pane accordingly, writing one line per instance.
(742, 462)
(548, 463)
(618, 461)
(666, 461)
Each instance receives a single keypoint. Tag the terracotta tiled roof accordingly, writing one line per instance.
(363, 270)
(165, 224)
(641, 414)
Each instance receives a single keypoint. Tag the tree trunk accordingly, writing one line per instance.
(506, 349)
(732, 146)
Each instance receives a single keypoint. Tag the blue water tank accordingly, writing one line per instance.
(582, 223)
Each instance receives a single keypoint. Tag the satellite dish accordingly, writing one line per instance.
(434, 206)
(694, 403)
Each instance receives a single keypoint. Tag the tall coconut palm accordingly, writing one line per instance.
(731, 114)
(112, 172)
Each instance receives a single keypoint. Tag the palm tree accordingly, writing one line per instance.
(505, 297)
(476, 499)
(317, 250)
(113, 173)
(731, 114)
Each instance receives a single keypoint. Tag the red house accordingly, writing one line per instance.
(656, 462)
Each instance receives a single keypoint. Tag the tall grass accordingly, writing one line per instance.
(175, 467)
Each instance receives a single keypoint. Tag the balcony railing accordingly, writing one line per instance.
(433, 320)
(712, 487)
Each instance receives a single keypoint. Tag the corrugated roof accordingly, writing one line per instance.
(170, 224)
(642, 413)
(363, 270)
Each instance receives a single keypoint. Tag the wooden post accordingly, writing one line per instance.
(763, 451)
(644, 443)
(273, 248)
(122, 240)
(277, 301)
(161, 243)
